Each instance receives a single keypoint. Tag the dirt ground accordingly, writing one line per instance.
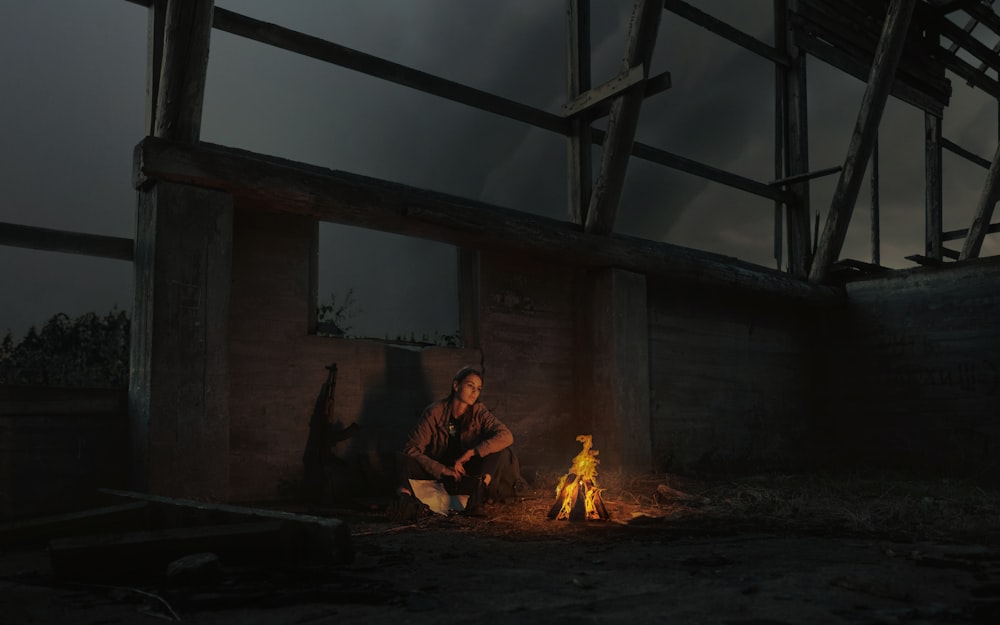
(761, 551)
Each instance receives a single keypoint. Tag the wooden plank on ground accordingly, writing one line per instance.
(320, 539)
(143, 554)
(30, 533)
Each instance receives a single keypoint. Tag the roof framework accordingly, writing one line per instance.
(899, 48)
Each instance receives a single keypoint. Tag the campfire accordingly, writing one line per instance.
(578, 497)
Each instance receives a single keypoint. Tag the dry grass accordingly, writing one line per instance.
(899, 509)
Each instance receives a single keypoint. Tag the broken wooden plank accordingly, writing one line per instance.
(887, 55)
(326, 539)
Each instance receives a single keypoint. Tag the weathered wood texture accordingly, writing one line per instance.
(730, 378)
(179, 384)
(578, 77)
(984, 210)
(36, 238)
(845, 34)
(187, 31)
(623, 119)
(58, 446)
(883, 71)
(933, 188)
(914, 372)
(793, 126)
(530, 318)
(278, 372)
(289, 187)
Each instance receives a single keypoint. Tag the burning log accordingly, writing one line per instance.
(578, 497)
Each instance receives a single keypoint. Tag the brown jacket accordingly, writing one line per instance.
(478, 429)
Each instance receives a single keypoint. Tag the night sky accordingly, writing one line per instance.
(74, 104)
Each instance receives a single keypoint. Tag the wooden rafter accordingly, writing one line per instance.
(623, 120)
(578, 148)
(883, 70)
(984, 211)
(187, 31)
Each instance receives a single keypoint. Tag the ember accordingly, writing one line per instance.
(578, 497)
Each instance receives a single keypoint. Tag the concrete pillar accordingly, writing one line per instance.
(619, 394)
(179, 380)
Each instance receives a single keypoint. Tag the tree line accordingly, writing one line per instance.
(89, 351)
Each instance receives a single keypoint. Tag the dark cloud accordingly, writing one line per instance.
(76, 109)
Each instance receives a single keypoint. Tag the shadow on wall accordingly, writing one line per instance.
(347, 459)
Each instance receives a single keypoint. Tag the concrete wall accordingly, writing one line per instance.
(731, 379)
(912, 382)
(278, 371)
(58, 447)
(667, 376)
(529, 322)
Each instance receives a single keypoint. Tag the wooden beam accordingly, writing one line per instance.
(317, 48)
(984, 211)
(329, 538)
(985, 14)
(933, 187)
(966, 154)
(578, 144)
(146, 554)
(681, 163)
(809, 175)
(596, 95)
(650, 87)
(944, 8)
(269, 183)
(973, 76)
(187, 31)
(154, 59)
(795, 149)
(875, 216)
(724, 30)
(969, 43)
(887, 54)
(39, 531)
(50, 240)
(954, 235)
(623, 120)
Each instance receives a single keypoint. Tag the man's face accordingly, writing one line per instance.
(468, 390)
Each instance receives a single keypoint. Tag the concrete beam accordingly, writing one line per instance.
(619, 393)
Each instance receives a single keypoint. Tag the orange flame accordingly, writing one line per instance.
(582, 474)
